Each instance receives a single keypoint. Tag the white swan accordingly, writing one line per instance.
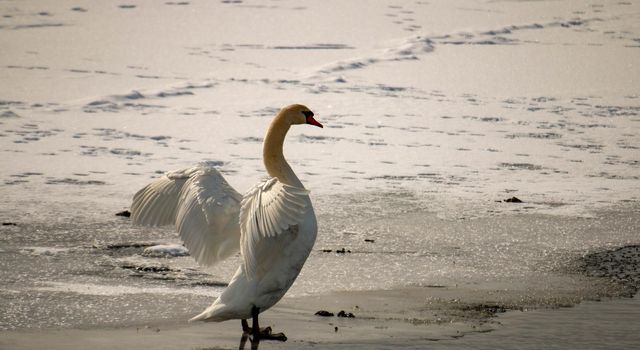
(273, 224)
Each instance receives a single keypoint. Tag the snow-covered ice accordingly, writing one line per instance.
(434, 113)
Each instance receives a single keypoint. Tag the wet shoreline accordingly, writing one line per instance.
(147, 297)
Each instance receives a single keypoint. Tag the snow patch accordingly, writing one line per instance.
(50, 251)
(165, 250)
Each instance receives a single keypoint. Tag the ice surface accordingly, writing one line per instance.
(434, 114)
(113, 290)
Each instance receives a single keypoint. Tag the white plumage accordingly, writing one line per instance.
(202, 205)
(273, 224)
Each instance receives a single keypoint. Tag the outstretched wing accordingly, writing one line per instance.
(202, 205)
(268, 209)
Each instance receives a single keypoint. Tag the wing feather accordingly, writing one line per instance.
(202, 205)
(267, 210)
(155, 204)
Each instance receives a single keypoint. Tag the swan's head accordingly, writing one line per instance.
(299, 114)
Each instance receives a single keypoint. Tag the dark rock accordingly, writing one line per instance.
(336, 329)
(146, 268)
(9, 224)
(124, 213)
(342, 251)
(369, 240)
(345, 314)
(327, 250)
(125, 245)
(486, 310)
(324, 313)
(513, 200)
(210, 284)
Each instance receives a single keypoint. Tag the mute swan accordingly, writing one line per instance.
(273, 225)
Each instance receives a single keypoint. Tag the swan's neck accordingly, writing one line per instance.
(272, 154)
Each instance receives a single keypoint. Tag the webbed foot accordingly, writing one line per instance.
(265, 333)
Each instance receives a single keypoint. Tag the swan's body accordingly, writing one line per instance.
(273, 224)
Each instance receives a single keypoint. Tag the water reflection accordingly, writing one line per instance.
(243, 342)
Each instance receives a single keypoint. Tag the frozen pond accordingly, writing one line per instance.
(435, 114)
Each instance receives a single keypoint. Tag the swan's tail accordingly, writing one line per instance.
(234, 303)
(214, 313)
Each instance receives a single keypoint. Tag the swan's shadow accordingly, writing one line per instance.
(255, 342)
(243, 342)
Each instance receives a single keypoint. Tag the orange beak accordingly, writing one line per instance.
(312, 121)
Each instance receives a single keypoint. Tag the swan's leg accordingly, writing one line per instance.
(256, 327)
(243, 341)
(264, 333)
(245, 326)
(249, 330)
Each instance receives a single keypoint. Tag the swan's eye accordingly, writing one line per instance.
(307, 114)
